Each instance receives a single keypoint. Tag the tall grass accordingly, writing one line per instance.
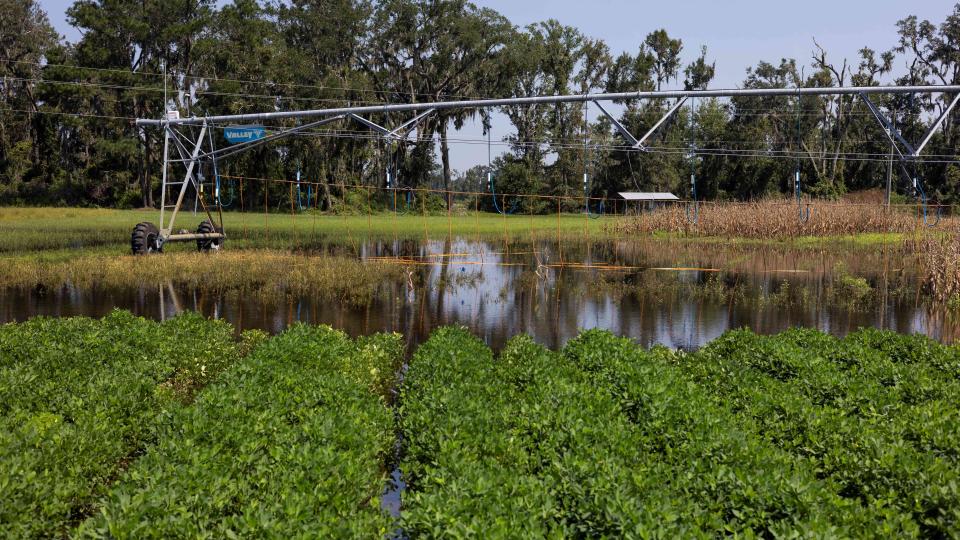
(776, 219)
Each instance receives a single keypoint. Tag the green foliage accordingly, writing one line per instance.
(794, 435)
(126, 428)
(66, 135)
(869, 412)
(287, 443)
(78, 397)
(471, 461)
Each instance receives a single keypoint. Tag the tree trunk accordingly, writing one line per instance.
(327, 197)
(445, 157)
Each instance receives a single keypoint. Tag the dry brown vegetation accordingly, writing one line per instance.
(778, 219)
(259, 272)
(940, 263)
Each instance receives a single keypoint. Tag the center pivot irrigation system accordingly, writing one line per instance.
(189, 136)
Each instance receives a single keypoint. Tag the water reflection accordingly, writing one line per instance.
(680, 295)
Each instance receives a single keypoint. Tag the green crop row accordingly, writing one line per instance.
(490, 445)
(125, 428)
(875, 413)
(79, 397)
(289, 442)
(607, 439)
(746, 483)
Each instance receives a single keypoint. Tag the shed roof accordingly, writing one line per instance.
(648, 196)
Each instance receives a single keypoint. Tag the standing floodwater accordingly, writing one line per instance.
(676, 294)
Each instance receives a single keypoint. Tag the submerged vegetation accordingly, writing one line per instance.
(941, 266)
(837, 288)
(126, 428)
(259, 272)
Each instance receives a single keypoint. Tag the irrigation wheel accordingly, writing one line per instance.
(145, 239)
(204, 245)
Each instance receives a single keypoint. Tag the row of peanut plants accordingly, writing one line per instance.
(876, 413)
(289, 443)
(603, 439)
(80, 397)
(127, 428)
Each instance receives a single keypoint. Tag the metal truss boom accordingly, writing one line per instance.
(620, 127)
(546, 100)
(913, 153)
(660, 122)
(936, 125)
(889, 129)
(191, 153)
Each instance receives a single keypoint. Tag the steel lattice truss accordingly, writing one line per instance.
(191, 150)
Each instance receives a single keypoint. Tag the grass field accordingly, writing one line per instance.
(25, 229)
(125, 428)
(108, 231)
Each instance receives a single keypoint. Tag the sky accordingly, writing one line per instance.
(738, 34)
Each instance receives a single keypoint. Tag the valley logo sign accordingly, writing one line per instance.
(242, 134)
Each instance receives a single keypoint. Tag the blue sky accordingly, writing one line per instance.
(738, 33)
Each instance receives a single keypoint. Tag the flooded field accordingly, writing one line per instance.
(679, 294)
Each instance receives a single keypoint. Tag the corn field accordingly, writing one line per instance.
(940, 266)
(778, 219)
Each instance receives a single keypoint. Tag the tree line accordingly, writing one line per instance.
(67, 134)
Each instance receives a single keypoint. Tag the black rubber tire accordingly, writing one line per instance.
(145, 239)
(203, 245)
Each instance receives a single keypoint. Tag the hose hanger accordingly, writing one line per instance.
(586, 196)
(299, 199)
(804, 216)
(493, 195)
(216, 175)
(918, 188)
(693, 217)
(586, 164)
(492, 188)
(393, 173)
(923, 203)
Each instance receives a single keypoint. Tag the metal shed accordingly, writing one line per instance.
(648, 200)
